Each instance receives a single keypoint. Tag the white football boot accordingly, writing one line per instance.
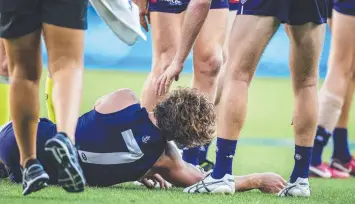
(300, 188)
(225, 185)
(122, 16)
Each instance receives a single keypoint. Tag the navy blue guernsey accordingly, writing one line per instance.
(112, 148)
(117, 147)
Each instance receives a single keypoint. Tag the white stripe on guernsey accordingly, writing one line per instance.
(111, 158)
(4, 80)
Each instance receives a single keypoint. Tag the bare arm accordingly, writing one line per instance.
(174, 170)
(195, 16)
(181, 174)
(265, 182)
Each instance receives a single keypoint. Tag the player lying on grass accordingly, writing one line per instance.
(119, 141)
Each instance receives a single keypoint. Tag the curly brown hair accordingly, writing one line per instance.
(187, 117)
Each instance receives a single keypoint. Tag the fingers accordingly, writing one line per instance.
(143, 21)
(161, 85)
(166, 86)
(148, 15)
(163, 184)
(282, 180)
(147, 183)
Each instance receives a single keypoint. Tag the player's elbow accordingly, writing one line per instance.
(193, 179)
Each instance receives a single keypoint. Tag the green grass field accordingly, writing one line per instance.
(266, 145)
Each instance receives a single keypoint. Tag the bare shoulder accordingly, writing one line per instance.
(116, 101)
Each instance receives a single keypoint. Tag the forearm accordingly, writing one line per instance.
(248, 182)
(195, 16)
(185, 176)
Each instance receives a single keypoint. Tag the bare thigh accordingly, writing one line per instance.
(208, 51)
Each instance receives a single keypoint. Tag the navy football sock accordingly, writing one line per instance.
(341, 146)
(190, 155)
(302, 161)
(224, 157)
(320, 141)
(203, 153)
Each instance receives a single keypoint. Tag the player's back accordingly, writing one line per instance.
(117, 147)
(9, 152)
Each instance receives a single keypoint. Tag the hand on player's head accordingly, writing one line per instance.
(187, 117)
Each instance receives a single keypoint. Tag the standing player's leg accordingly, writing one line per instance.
(208, 59)
(20, 25)
(331, 96)
(306, 46)
(233, 7)
(319, 168)
(339, 77)
(166, 30)
(4, 86)
(341, 158)
(64, 38)
(244, 52)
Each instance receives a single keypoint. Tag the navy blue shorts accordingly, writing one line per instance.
(22, 17)
(178, 6)
(292, 12)
(233, 5)
(346, 7)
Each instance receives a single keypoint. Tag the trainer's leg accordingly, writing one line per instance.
(64, 38)
(25, 68)
(166, 32)
(4, 86)
(306, 46)
(243, 56)
(20, 25)
(65, 62)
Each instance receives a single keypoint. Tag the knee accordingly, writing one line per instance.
(208, 65)
(304, 81)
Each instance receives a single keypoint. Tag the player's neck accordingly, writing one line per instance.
(152, 118)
